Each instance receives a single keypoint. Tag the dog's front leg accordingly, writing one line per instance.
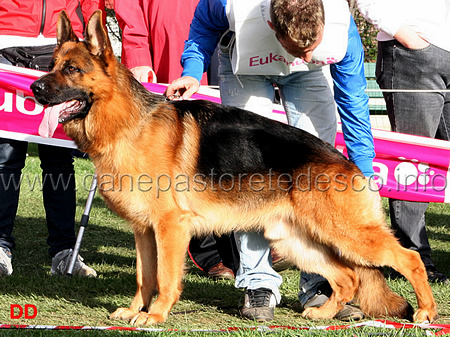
(172, 236)
(146, 269)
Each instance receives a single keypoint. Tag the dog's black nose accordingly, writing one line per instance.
(40, 89)
(37, 87)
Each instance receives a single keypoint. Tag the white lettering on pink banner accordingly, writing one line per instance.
(20, 113)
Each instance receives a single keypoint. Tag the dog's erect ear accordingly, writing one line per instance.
(64, 30)
(96, 37)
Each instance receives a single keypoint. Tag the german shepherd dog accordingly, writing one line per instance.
(175, 169)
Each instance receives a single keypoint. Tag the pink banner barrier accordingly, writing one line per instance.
(20, 114)
(406, 167)
(409, 167)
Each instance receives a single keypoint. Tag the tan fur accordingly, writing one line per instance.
(338, 233)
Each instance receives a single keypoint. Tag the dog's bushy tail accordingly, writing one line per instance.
(376, 299)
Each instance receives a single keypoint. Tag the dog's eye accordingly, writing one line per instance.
(72, 69)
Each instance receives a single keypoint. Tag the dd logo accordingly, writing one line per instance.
(29, 311)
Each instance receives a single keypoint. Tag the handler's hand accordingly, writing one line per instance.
(144, 74)
(410, 39)
(186, 86)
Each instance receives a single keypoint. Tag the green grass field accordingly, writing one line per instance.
(108, 247)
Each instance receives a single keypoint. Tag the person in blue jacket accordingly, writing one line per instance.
(291, 44)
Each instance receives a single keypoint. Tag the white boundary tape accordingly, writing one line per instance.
(443, 329)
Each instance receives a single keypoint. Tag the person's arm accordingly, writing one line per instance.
(409, 38)
(353, 103)
(390, 17)
(207, 26)
(135, 39)
(90, 6)
(385, 15)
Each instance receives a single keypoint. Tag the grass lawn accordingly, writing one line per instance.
(108, 246)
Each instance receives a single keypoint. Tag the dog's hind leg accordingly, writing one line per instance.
(388, 252)
(374, 245)
(344, 283)
(351, 222)
(410, 265)
(145, 275)
(311, 257)
(370, 244)
(172, 235)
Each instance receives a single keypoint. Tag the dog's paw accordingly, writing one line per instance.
(316, 313)
(124, 314)
(425, 316)
(143, 318)
(310, 313)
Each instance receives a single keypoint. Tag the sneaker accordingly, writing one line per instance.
(435, 276)
(279, 263)
(259, 304)
(5, 262)
(220, 271)
(350, 312)
(61, 261)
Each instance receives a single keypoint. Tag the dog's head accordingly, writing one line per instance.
(79, 72)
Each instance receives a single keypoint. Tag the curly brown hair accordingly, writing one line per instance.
(301, 20)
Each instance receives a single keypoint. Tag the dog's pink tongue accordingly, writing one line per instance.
(50, 121)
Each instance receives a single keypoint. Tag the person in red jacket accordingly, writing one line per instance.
(37, 19)
(24, 24)
(153, 35)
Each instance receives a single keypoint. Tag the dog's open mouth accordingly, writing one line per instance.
(59, 113)
(69, 110)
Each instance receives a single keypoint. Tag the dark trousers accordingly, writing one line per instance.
(58, 189)
(211, 250)
(416, 113)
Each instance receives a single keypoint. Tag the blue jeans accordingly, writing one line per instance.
(58, 189)
(309, 105)
(422, 114)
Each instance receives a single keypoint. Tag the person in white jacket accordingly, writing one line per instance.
(413, 55)
(286, 43)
